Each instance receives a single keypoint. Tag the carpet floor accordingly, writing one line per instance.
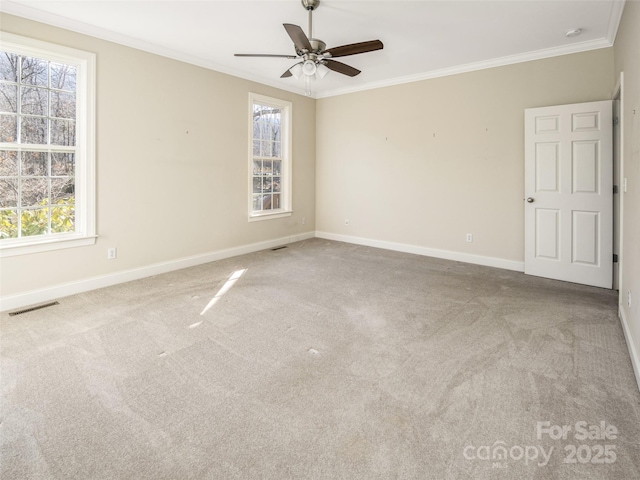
(322, 360)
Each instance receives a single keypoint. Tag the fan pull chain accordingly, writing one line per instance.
(307, 85)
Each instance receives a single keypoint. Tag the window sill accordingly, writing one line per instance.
(269, 216)
(45, 245)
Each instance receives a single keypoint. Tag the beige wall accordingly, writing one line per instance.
(425, 163)
(627, 60)
(162, 193)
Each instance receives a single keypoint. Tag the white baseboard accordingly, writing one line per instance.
(633, 351)
(12, 302)
(429, 252)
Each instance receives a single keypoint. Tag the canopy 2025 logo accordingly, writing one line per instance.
(584, 450)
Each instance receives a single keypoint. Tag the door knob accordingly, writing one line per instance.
(530, 200)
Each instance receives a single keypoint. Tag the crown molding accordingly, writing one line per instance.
(614, 20)
(472, 67)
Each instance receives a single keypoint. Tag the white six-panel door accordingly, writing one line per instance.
(568, 209)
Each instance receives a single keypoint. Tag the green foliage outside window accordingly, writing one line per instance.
(36, 221)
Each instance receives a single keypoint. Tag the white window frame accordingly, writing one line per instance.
(85, 189)
(286, 123)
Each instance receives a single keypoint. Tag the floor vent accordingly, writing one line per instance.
(31, 309)
(278, 248)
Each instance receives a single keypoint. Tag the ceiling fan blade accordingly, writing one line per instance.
(298, 36)
(341, 68)
(354, 48)
(263, 55)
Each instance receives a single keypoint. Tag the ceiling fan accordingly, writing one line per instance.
(315, 59)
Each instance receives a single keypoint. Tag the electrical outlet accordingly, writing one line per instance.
(303, 221)
(112, 253)
(469, 237)
(346, 222)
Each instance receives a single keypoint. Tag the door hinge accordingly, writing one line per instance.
(616, 121)
(615, 258)
(615, 189)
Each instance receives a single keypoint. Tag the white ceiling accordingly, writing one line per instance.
(422, 39)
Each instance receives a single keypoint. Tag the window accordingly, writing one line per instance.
(269, 158)
(47, 182)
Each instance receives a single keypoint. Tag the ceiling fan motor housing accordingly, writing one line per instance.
(317, 45)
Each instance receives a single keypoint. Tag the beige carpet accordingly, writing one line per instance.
(322, 360)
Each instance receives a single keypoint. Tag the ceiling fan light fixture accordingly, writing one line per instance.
(321, 71)
(309, 67)
(296, 70)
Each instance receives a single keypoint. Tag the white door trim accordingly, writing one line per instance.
(618, 92)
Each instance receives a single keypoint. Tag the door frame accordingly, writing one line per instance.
(618, 164)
